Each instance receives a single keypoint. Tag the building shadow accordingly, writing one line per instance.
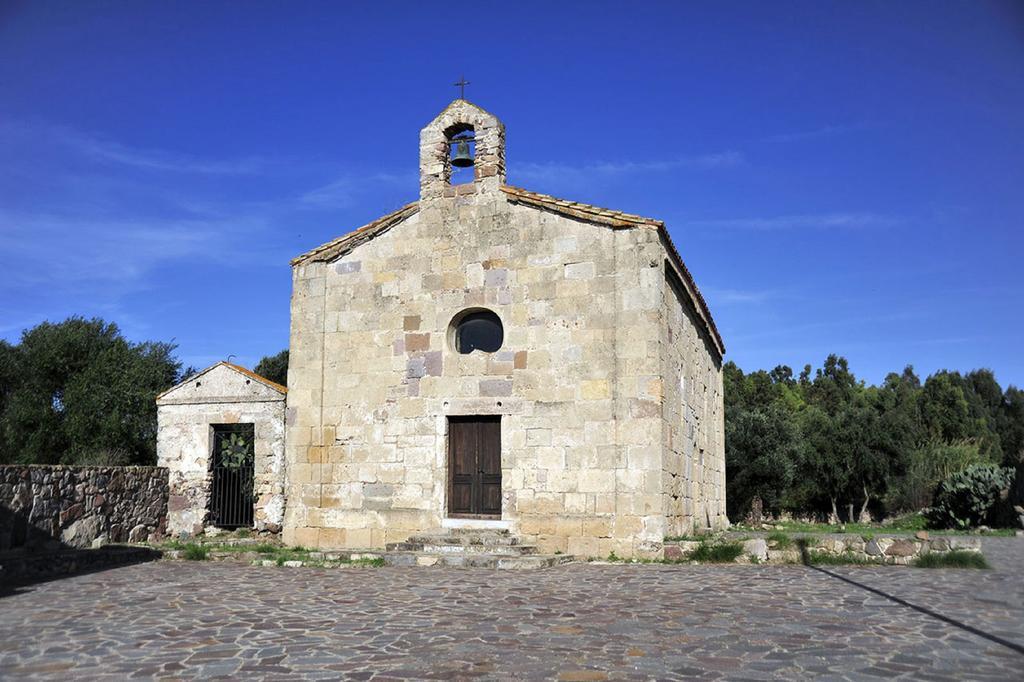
(805, 558)
(30, 555)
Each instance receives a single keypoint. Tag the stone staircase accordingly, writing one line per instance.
(469, 548)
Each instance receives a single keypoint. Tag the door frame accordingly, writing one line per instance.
(450, 469)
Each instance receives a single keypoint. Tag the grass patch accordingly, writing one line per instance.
(958, 558)
(780, 539)
(823, 559)
(910, 522)
(194, 552)
(686, 538)
(376, 562)
(724, 553)
(265, 548)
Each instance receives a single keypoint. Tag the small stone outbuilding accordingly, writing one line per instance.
(494, 357)
(221, 436)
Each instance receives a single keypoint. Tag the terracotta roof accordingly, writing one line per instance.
(618, 219)
(345, 243)
(577, 210)
(253, 375)
(238, 368)
(574, 209)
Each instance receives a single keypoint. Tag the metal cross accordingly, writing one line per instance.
(462, 83)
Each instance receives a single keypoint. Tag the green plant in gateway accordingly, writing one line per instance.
(958, 558)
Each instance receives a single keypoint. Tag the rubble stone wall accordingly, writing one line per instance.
(894, 550)
(46, 507)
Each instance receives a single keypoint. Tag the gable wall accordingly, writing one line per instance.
(577, 382)
(185, 416)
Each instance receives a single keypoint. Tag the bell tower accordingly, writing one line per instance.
(440, 139)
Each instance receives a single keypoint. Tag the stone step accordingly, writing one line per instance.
(498, 561)
(486, 538)
(453, 549)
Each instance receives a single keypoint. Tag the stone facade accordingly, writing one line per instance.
(608, 383)
(186, 414)
(46, 507)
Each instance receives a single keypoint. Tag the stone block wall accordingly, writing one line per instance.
(579, 382)
(693, 417)
(46, 507)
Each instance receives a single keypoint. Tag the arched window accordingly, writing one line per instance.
(478, 330)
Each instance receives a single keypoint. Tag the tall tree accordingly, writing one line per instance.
(81, 393)
(274, 367)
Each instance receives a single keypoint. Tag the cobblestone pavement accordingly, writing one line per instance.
(578, 622)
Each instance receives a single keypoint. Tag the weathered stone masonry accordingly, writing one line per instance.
(222, 394)
(51, 506)
(608, 382)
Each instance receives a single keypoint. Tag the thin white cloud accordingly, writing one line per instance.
(99, 148)
(727, 296)
(110, 257)
(795, 330)
(347, 190)
(824, 131)
(817, 221)
(551, 171)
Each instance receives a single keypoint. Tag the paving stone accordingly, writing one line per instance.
(190, 620)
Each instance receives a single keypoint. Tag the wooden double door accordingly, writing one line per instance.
(474, 467)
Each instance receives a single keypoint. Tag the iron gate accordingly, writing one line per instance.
(231, 492)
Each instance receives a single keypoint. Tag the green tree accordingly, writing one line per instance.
(274, 367)
(1010, 423)
(80, 393)
(762, 448)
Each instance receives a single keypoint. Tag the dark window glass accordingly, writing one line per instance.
(479, 331)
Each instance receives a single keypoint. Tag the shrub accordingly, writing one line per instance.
(968, 498)
(926, 467)
(194, 552)
(958, 558)
(724, 553)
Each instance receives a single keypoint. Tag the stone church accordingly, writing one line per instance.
(491, 357)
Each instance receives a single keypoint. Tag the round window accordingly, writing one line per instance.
(478, 330)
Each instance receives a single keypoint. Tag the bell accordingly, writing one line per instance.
(462, 158)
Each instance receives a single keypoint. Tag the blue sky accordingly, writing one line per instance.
(839, 177)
